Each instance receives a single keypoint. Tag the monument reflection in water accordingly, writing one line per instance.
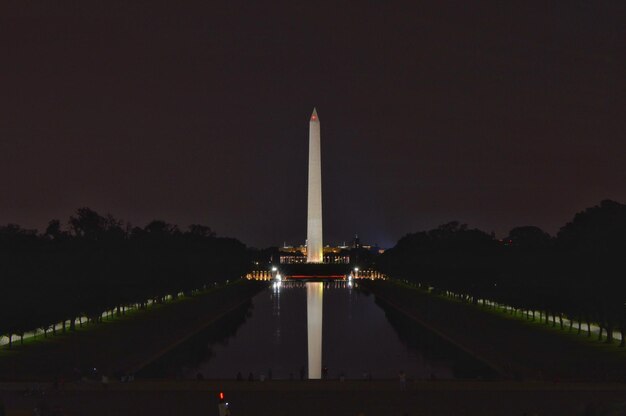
(281, 334)
(314, 317)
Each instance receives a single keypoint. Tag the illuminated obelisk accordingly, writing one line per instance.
(314, 249)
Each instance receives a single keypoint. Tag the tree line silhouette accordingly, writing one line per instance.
(101, 263)
(579, 274)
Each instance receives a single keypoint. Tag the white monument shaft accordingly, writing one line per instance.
(315, 249)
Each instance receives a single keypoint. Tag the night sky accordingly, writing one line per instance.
(496, 114)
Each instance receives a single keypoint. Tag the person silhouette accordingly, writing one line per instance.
(402, 377)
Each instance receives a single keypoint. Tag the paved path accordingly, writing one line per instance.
(278, 398)
(585, 327)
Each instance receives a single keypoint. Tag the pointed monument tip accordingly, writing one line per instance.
(314, 116)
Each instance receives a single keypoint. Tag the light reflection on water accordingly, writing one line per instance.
(314, 320)
(359, 339)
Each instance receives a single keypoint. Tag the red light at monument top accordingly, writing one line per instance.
(314, 115)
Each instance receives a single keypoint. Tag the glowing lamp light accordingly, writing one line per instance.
(274, 268)
(221, 396)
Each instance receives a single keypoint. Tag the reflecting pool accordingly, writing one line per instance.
(295, 330)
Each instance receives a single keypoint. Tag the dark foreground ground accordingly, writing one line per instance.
(325, 398)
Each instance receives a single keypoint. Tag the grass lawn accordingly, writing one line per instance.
(122, 343)
(518, 347)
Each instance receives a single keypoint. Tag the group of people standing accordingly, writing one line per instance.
(269, 376)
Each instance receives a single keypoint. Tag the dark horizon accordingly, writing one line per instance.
(495, 115)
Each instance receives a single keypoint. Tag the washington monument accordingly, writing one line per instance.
(315, 248)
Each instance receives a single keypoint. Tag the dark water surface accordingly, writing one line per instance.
(360, 338)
